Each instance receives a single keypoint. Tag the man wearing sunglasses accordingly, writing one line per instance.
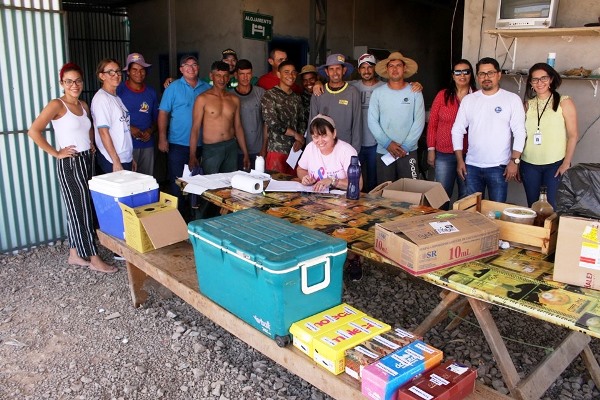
(495, 120)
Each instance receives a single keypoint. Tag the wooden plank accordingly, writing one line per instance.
(173, 267)
(540, 379)
(137, 279)
(497, 345)
(591, 364)
(462, 308)
(438, 314)
(472, 203)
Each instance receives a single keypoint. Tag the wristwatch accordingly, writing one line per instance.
(516, 160)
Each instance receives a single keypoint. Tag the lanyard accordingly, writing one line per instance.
(543, 110)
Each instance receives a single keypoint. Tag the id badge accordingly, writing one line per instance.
(537, 138)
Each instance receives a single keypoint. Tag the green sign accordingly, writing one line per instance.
(257, 26)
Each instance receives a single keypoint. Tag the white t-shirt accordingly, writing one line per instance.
(321, 166)
(496, 126)
(108, 111)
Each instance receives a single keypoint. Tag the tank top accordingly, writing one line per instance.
(71, 129)
(553, 130)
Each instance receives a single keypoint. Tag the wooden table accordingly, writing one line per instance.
(519, 280)
(174, 267)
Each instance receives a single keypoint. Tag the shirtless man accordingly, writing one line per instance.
(217, 112)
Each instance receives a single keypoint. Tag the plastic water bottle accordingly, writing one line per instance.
(353, 191)
(259, 164)
(551, 59)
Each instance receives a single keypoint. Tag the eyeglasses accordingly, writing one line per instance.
(459, 72)
(70, 82)
(112, 72)
(543, 79)
(489, 74)
(194, 65)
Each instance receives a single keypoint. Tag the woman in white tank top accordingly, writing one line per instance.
(74, 166)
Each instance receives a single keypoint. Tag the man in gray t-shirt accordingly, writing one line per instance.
(250, 113)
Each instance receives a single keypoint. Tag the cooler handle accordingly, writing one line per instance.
(304, 274)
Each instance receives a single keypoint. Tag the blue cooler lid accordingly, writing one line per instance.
(122, 183)
(266, 240)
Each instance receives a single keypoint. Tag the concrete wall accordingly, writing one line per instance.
(418, 30)
(572, 52)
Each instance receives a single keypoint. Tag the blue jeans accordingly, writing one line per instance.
(107, 167)
(177, 157)
(368, 165)
(445, 173)
(492, 178)
(535, 176)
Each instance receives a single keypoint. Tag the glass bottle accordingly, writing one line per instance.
(353, 191)
(542, 208)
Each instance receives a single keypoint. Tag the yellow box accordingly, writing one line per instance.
(154, 225)
(305, 331)
(330, 346)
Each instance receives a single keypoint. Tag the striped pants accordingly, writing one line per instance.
(73, 176)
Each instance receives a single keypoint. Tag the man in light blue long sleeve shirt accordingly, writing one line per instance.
(396, 119)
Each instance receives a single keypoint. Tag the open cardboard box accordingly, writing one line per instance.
(577, 258)
(413, 191)
(430, 242)
(154, 225)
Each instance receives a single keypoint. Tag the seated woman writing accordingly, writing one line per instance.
(324, 164)
(325, 160)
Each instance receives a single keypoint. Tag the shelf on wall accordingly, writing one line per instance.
(516, 33)
(520, 79)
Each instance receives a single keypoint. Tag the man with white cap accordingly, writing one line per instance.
(396, 119)
(368, 152)
(142, 103)
(340, 101)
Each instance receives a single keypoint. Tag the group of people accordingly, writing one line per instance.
(479, 139)
(482, 139)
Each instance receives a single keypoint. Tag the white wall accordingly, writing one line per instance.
(572, 52)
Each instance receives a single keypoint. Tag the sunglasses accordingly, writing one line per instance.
(459, 72)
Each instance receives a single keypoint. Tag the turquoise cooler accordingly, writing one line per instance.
(130, 188)
(267, 271)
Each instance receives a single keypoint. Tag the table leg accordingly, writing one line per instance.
(137, 279)
(591, 364)
(438, 313)
(462, 308)
(496, 343)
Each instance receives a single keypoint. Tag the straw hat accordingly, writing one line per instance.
(411, 66)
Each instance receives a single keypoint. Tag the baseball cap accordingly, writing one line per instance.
(308, 69)
(183, 59)
(229, 52)
(367, 58)
(136, 58)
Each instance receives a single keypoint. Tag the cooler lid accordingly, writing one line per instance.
(122, 183)
(270, 241)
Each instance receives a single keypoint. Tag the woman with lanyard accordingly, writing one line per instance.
(551, 123)
(70, 118)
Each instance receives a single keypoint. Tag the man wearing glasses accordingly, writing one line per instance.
(175, 111)
(495, 120)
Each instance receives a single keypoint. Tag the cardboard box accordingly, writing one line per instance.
(537, 238)
(305, 331)
(381, 380)
(577, 258)
(154, 225)
(373, 349)
(414, 191)
(330, 347)
(449, 381)
(429, 242)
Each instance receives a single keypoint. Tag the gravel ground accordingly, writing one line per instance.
(69, 333)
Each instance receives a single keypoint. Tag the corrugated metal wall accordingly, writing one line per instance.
(33, 47)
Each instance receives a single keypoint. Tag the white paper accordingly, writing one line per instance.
(290, 186)
(388, 158)
(186, 171)
(293, 158)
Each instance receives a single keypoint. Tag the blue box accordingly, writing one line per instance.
(127, 187)
(267, 271)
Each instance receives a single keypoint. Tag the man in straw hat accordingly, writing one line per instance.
(340, 101)
(396, 119)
